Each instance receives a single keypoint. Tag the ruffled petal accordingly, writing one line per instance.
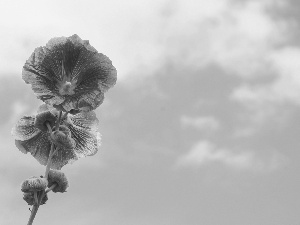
(39, 146)
(25, 129)
(94, 71)
(42, 72)
(85, 120)
(85, 102)
(63, 157)
(84, 130)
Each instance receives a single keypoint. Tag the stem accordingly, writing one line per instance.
(65, 115)
(49, 161)
(51, 153)
(33, 213)
(53, 150)
(51, 188)
(49, 127)
(58, 120)
(35, 198)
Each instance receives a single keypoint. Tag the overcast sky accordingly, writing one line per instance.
(202, 126)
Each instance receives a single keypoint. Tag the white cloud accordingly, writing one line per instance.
(205, 123)
(267, 100)
(235, 36)
(284, 88)
(204, 153)
(139, 36)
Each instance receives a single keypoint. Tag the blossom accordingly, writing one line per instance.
(82, 128)
(69, 74)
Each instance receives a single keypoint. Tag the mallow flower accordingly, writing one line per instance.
(77, 136)
(69, 74)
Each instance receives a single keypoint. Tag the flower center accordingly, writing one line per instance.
(67, 88)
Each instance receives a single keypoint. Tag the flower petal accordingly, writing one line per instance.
(85, 102)
(63, 157)
(85, 120)
(25, 129)
(42, 72)
(84, 130)
(39, 147)
(94, 71)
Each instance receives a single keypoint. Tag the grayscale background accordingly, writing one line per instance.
(202, 126)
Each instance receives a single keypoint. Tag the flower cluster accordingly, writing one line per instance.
(70, 77)
(77, 136)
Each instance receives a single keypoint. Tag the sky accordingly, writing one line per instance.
(202, 126)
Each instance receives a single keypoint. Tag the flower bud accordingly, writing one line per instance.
(62, 138)
(29, 198)
(33, 184)
(42, 118)
(59, 178)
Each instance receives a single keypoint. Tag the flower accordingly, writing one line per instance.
(82, 128)
(59, 178)
(69, 74)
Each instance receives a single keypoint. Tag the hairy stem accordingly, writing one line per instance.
(35, 198)
(65, 115)
(58, 120)
(49, 160)
(33, 213)
(49, 127)
(51, 188)
(52, 152)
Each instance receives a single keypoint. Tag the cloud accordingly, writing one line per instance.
(284, 88)
(205, 123)
(264, 101)
(228, 36)
(140, 37)
(204, 153)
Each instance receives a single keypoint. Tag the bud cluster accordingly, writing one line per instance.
(35, 188)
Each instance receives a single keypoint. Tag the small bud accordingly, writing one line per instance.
(62, 137)
(42, 118)
(29, 198)
(59, 178)
(65, 130)
(33, 184)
